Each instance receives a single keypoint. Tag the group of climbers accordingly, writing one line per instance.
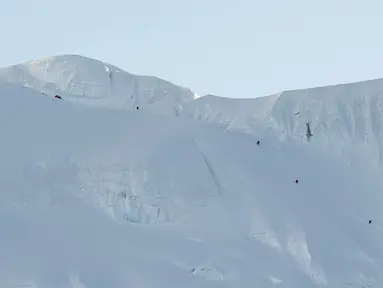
(309, 135)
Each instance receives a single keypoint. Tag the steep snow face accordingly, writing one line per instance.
(95, 198)
(89, 81)
(343, 119)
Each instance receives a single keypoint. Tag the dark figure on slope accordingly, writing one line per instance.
(258, 143)
(296, 181)
(308, 132)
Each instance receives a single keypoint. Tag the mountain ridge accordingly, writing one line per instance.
(208, 192)
(339, 108)
(92, 82)
(99, 198)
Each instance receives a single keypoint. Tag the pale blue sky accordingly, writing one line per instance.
(236, 48)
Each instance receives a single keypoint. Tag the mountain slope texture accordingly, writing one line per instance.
(132, 181)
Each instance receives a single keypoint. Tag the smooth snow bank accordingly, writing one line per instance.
(96, 198)
(89, 81)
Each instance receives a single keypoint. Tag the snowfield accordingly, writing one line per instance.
(97, 194)
(85, 80)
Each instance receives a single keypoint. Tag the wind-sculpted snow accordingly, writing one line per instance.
(91, 82)
(94, 197)
(344, 119)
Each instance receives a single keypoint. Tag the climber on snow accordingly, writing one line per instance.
(58, 97)
(258, 143)
(296, 181)
(308, 132)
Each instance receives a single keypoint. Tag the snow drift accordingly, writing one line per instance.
(97, 197)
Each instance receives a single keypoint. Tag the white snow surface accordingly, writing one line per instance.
(180, 195)
(85, 80)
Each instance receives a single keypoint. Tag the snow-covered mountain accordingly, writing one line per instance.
(97, 197)
(85, 80)
(340, 116)
(345, 119)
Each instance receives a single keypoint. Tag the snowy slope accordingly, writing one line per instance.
(344, 119)
(94, 197)
(81, 79)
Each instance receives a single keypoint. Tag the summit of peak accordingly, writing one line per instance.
(94, 82)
